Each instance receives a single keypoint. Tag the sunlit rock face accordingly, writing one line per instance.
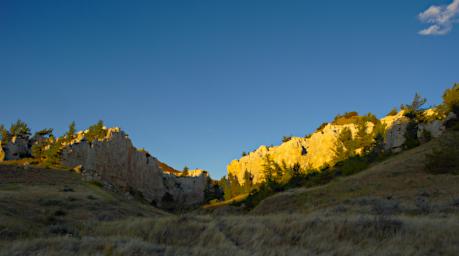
(312, 152)
(319, 149)
(115, 160)
(395, 131)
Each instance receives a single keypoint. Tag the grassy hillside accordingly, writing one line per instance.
(46, 203)
(393, 208)
(401, 180)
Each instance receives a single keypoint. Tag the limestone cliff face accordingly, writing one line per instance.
(319, 149)
(115, 160)
(312, 152)
(395, 131)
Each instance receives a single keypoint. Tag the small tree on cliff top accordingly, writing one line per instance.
(96, 132)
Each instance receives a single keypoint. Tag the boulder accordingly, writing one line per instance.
(18, 147)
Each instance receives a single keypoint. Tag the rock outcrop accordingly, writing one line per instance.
(116, 161)
(17, 147)
(395, 131)
(319, 148)
(312, 152)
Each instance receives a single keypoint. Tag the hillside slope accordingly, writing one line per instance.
(400, 181)
(393, 208)
(44, 203)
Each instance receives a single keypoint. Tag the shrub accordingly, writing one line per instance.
(346, 118)
(286, 138)
(411, 135)
(352, 165)
(44, 133)
(451, 99)
(96, 132)
(321, 127)
(444, 159)
(393, 112)
(426, 135)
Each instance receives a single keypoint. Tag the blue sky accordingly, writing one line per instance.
(198, 82)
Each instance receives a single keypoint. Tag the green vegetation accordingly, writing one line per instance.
(71, 132)
(3, 134)
(451, 99)
(185, 171)
(393, 112)
(20, 128)
(231, 186)
(44, 133)
(321, 127)
(353, 154)
(445, 157)
(96, 132)
(45, 147)
(346, 118)
(286, 138)
(415, 114)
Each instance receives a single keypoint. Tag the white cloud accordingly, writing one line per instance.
(441, 17)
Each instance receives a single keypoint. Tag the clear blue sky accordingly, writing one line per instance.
(198, 82)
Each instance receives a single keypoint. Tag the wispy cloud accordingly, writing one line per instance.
(441, 18)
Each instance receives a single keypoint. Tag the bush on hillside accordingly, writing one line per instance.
(451, 99)
(346, 118)
(393, 112)
(445, 158)
(411, 135)
(48, 152)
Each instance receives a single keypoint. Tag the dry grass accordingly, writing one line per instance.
(43, 203)
(279, 234)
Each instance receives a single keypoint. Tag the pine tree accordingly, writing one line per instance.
(20, 128)
(185, 171)
(248, 182)
(71, 132)
(4, 134)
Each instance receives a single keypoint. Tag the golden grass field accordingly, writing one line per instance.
(392, 208)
